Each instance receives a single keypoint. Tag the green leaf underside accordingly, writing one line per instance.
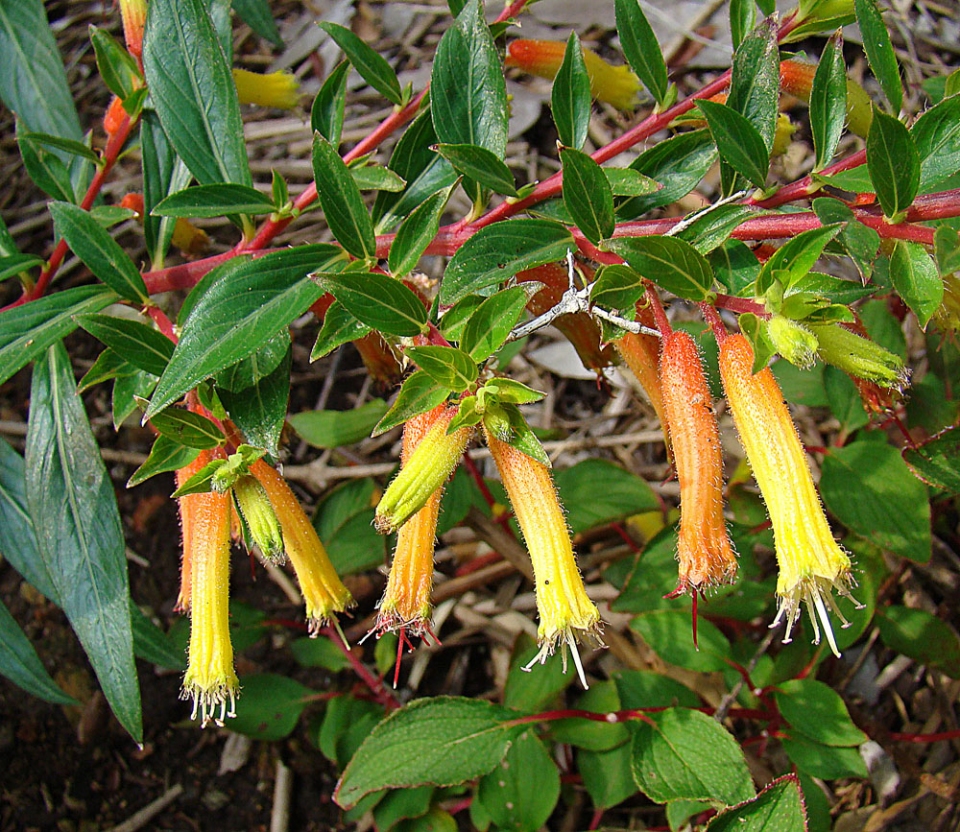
(916, 279)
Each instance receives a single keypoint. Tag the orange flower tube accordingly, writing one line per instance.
(704, 551)
(323, 591)
(188, 507)
(566, 613)
(796, 78)
(641, 354)
(811, 562)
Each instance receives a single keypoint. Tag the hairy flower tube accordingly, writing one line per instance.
(641, 354)
(271, 89)
(566, 613)
(616, 85)
(188, 507)
(134, 16)
(793, 341)
(323, 591)
(811, 562)
(260, 518)
(210, 681)
(406, 600)
(796, 78)
(703, 549)
(860, 356)
(428, 467)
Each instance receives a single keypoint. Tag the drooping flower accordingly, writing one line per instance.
(860, 356)
(703, 549)
(261, 520)
(566, 613)
(811, 562)
(641, 353)
(323, 591)
(796, 78)
(134, 16)
(271, 89)
(188, 506)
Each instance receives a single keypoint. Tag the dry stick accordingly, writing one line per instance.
(282, 789)
(150, 811)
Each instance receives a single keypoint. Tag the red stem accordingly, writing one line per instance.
(380, 691)
(907, 737)
(712, 317)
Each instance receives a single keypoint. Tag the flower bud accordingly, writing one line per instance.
(259, 516)
(860, 356)
(793, 341)
(810, 560)
(273, 89)
(704, 551)
(429, 465)
(566, 613)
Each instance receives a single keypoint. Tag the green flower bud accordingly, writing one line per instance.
(793, 341)
(860, 357)
(260, 518)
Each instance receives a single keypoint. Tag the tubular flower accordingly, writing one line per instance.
(641, 354)
(273, 89)
(810, 560)
(260, 518)
(406, 600)
(210, 679)
(323, 591)
(566, 613)
(860, 356)
(704, 551)
(616, 85)
(134, 16)
(188, 507)
(428, 467)
(796, 78)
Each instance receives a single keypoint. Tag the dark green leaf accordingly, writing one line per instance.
(490, 325)
(372, 67)
(257, 15)
(319, 652)
(163, 173)
(596, 492)
(921, 636)
(496, 253)
(339, 327)
(376, 178)
(740, 143)
(48, 171)
(187, 428)
(755, 83)
(27, 330)
(606, 774)
(377, 300)
(165, 455)
(13, 264)
(824, 761)
(879, 49)
(270, 706)
(481, 165)
(447, 366)
(778, 808)
(416, 232)
(70, 147)
(937, 461)
(570, 98)
(916, 279)
(117, 66)
(152, 645)
(735, 266)
(80, 537)
(893, 162)
(468, 94)
(242, 304)
(713, 228)
(140, 345)
(682, 754)
(107, 366)
(828, 102)
(743, 17)
(193, 91)
(936, 135)
(816, 710)
(326, 114)
(20, 663)
(335, 428)
(587, 195)
(341, 201)
(441, 741)
(669, 632)
(672, 264)
(214, 201)
(601, 698)
(418, 394)
(616, 287)
(641, 48)
(531, 692)
(647, 689)
(99, 251)
(126, 390)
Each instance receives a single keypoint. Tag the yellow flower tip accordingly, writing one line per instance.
(568, 638)
(817, 593)
(273, 89)
(209, 697)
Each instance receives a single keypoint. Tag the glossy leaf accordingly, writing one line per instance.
(326, 114)
(641, 48)
(335, 428)
(20, 663)
(893, 162)
(828, 102)
(187, 428)
(879, 49)
(241, 305)
(739, 143)
(481, 165)
(341, 201)
(490, 325)
(339, 327)
(377, 300)
(755, 82)
(570, 99)
(795, 258)
(117, 66)
(214, 201)
(713, 229)
(670, 263)
(80, 538)
(99, 251)
(916, 279)
(416, 232)
(376, 178)
(373, 68)
(823, 761)
(418, 394)
(587, 195)
(139, 344)
(166, 455)
(616, 287)
(193, 91)
(936, 135)
(448, 366)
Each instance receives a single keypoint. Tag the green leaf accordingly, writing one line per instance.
(165, 455)
(376, 178)
(755, 83)
(778, 808)
(416, 232)
(219, 200)
(647, 689)
(531, 692)
(70, 147)
(372, 67)
(739, 143)
(893, 162)
(448, 366)
(674, 265)
(916, 279)
(20, 663)
(921, 636)
(879, 50)
(326, 114)
(743, 17)
(628, 182)
(99, 251)
(869, 488)
(336, 428)
(824, 761)
(936, 135)
(712, 229)
(377, 300)
(522, 791)
(27, 331)
(341, 201)
(468, 94)
(490, 325)
(570, 98)
(937, 461)
(187, 428)
(596, 492)
(817, 711)
(319, 652)
(606, 774)
(241, 305)
(795, 258)
(681, 754)
(828, 102)
(735, 266)
(641, 48)
(339, 327)
(587, 195)
(14, 264)
(481, 165)
(163, 173)
(616, 287)
(117, 66)
(669, 632)
(418, 394)
(440, 741)
(140, 345)
(602, 698)
(74, 509)
(270, 706)
(257, 15)
(47, 170)
(192, 90)
(153, 645)
(497, 252)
